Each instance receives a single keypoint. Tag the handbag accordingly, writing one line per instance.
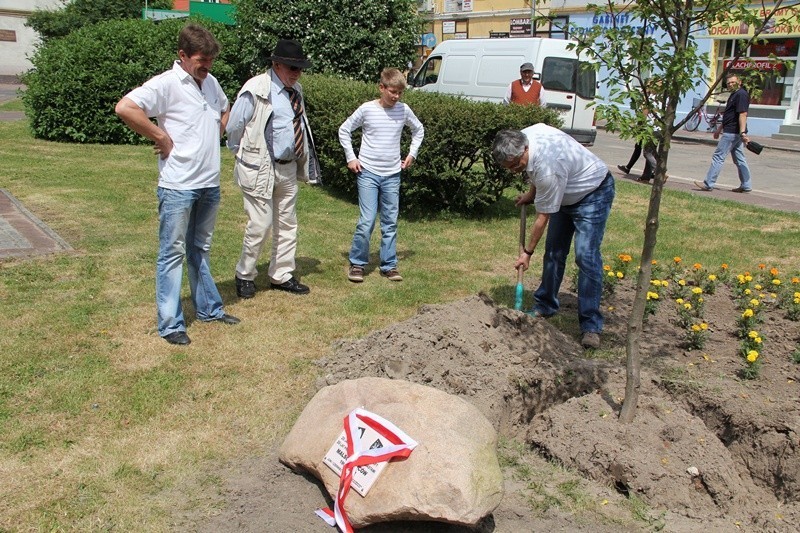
(754, 147)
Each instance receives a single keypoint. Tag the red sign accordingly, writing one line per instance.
(759, 64)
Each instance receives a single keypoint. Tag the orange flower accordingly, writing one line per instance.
(677, 259)
(762, 266)
(724, 266)
(698, 266)
(773, 271)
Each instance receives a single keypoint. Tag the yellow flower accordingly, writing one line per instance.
(679, 301)
(776, 282)
(703, 326)
(797, 295)
(748, 292)
(700, 300)
(757, 340)
(697, 266)
(752, 355)
(611, 274)
(712, 277)
(752, 334)
(747, 313)
(695, 327)
(676, 259)
(757, 286)
(606, 267)
(664, 283)
(620, 275)
(687, 306)
(652, 295)
(754, 302)
(797, 300)
(740, 279)
(697, 290)
(682, 282)
(748, 278)
(655, 282)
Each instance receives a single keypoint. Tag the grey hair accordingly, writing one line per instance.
(508, 145)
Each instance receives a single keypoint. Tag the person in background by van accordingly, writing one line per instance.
(377, 168)
(526, 90)
(572, 191)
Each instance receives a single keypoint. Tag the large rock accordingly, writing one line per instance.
(452, 476)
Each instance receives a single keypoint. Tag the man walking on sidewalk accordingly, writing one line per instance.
(733, 139)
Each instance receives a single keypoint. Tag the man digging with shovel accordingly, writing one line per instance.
(572, 191)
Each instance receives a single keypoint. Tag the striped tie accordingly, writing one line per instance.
(297, 107)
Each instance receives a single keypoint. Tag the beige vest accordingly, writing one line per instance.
(254, 171)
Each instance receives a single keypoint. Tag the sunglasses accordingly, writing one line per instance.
(294, 69)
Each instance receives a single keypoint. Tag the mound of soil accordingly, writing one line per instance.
(706, 451)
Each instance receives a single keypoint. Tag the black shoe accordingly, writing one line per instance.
(178, 337)
(245, 288)
(740, 189)
(625, 169)
(293, 286)
(226, 319)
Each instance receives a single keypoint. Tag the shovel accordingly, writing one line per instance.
(520, 270)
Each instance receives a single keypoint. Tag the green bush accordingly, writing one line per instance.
(77, 80)
(454, 173)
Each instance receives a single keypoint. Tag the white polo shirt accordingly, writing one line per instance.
(191, 117)
(562, 170)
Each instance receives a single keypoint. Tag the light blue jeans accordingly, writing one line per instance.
(185, 217)
(729, 143)
(377, 193)
(586, 221)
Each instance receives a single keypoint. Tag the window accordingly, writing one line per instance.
(569, 75)
(554, 28)
(773, 86)
(429, 72)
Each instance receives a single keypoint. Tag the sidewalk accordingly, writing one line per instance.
(706, 137)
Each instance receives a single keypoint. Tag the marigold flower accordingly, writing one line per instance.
(679, 301)
(664, 283)
(748, 292)
(697, 290)
(611, 274)
(682, 282)
(752, 334)
(762, 266)
(797, 301)
(773, 271)
(796, 295)
(748, 278)
(606, 267)
(653, 262)
(677, 259)
(652, 295)
(795, 280)
(620, 275)
(700, 300)
(757, 340)
(697, 266)
(695, 327)
(655, 282)
(747, 313)
(625, 258)
(724, 266)
(754, 302)
(687, 306)
(757, 286)
(712, 277)
(776, 282)
(703, 326)
(752, 355)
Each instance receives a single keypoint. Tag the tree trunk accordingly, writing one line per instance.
(636, 320)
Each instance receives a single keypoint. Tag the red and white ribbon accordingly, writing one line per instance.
(401, 446)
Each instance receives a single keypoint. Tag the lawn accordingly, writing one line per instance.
(104, 425)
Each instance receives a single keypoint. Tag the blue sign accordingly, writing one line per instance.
(429, 40)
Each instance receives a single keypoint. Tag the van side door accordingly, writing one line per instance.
(428, 75)
(570, 88)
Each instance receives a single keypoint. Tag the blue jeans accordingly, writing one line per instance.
(586, 220)
(729, 142)
(377, 193)
(185, 217)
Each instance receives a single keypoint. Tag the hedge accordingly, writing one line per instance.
(77, 80)
(454, 173)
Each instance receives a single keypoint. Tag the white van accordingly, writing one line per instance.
(482, 69)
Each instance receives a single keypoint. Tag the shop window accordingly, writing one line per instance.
(765, 55)
(554, 28)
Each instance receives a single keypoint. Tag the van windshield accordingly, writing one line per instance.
(568, 75)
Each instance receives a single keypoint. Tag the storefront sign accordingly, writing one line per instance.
(520, 27)
(448, 26)
(761, 64)
(784, 23)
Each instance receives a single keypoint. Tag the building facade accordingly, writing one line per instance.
(776, 110)
(16, 39)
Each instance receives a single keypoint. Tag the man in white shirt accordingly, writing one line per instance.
(191, 110)
(572, 191)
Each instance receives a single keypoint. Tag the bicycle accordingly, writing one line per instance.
(712, 120)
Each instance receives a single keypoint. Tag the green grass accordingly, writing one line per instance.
(13, 105)
(102, 424)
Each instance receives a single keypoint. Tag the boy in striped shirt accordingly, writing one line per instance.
(377, 168)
